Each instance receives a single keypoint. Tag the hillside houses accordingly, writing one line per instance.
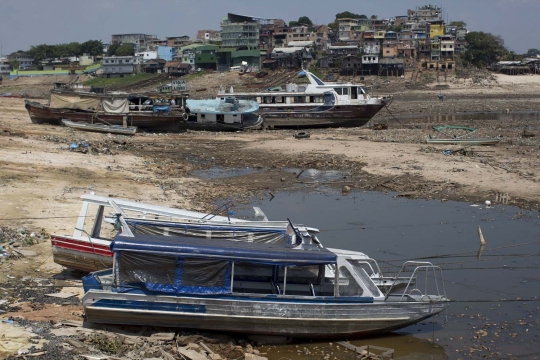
(354, 46)
(350, 45)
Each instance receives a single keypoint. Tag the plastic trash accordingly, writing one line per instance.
(72, 146)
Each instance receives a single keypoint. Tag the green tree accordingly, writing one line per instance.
(73, 49)
(344, 15)
(14, 63)
(92, 47)
(41, 52)
(374, 17)
(483, 49)
(305, 21)
(125, 50)
(533, 52)
(395, 28)
(112, 49)
(459, 24)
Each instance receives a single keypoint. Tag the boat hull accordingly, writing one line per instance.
(268, 315)
(298, 117)
(162, 122)
(84, 126)
(81, 254)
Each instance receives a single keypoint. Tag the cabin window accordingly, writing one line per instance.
(339, 91)
(299, 99)
(345, 91)
(347, 284)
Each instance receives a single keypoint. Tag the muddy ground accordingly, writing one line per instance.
(41, 181)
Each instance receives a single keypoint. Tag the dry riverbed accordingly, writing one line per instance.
(41, 181)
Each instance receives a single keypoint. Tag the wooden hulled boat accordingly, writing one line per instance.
(101, 128)
(152, 112)
(317, 104)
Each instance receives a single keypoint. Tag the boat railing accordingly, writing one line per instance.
(425, 275)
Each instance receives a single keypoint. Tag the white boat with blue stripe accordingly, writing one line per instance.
(255, 288)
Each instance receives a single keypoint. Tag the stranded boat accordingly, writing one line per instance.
(153, 112)
(101, 128)
(253, 288)
(228, 111)
(89, 249)
(317, 104)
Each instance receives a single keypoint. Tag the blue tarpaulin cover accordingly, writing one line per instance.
(164, 108)
(224, 250)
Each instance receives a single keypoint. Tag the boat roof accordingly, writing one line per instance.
(216, 106)
(224, 250)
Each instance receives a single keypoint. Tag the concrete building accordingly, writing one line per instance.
(240, 31)
(343, 50)
(321, 36)
(86, 60)
(209, 35)
(165, 52)
(178, 41)
(4, 68)
(202, 56)
(298, 33)
(435, 28)
(240, 41)
(426, 13)
(142, 57)
(390, 49)
(26, 62)
(435, 48)
(139, 41)
(118, 66)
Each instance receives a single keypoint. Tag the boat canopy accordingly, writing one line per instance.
(183, 265)
(224, 250)
(257, 234)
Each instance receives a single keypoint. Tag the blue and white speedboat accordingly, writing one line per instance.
(254, 288)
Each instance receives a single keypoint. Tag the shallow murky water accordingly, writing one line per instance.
(302, 174)
(490, 316)
(222, 173)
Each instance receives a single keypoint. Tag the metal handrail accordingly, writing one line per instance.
(420, 265)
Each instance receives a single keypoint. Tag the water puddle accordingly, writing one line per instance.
(314, 175)
(467, 116)
(319, 175)
(222, 173)
(489, 314)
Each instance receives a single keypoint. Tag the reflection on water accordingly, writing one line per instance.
(488, 316)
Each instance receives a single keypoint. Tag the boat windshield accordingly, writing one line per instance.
(347, 284)
(364, 277)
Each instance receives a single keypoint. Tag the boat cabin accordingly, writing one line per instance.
(180, 266)
(316, 92)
